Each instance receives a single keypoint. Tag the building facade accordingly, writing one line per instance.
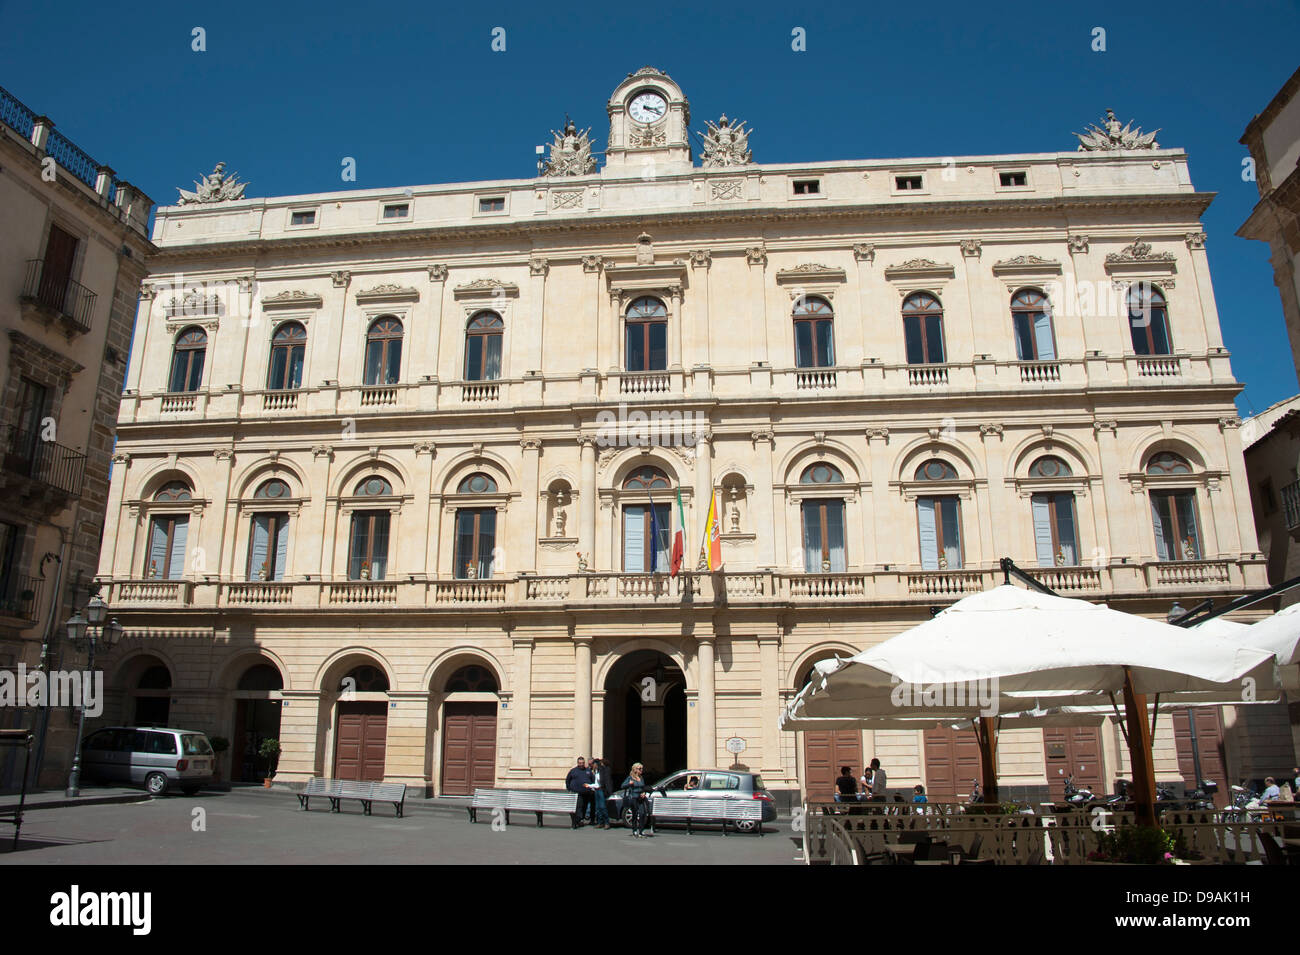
(73, 244)
(399, 471)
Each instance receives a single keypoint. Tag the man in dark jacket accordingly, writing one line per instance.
(576, 782)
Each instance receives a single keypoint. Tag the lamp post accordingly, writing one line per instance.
(85, 634)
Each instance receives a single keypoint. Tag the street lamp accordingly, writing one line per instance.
(85, 634)
(1175, 612)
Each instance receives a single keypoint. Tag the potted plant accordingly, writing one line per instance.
(365, 570)
(1139, 845)
(219, 745)
(269, 751)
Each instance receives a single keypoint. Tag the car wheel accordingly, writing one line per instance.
(155, 784)
(190, 790)
(628, 818)
(746, 825)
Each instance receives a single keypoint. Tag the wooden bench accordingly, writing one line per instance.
(693, 809)
(524, 800)
(367, 793)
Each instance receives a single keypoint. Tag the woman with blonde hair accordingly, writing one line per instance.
(636, 796)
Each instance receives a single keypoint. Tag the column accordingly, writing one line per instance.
(703, 481)
(1121, 535)
(1204, 290)
(698, 354)
(587, 500)
(708, 754)
(1002, 508)
(424, 511)
(675, 330)
(762, 523)
(885, 504)
(520, 765)
(523, 553)
(769, 647)
(310, 540)
(114, 560)
(582, 694)
(433, 336)
(1241, 537)
(217, 534)
(538, 267)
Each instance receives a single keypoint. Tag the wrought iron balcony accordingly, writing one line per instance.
(44, 462)
(47, 291)
(1291, 505)
(20, 596)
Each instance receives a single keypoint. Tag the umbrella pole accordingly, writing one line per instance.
(1139, 749)
(987, 737)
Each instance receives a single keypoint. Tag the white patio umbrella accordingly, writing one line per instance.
(999, 650)
(1278, 634)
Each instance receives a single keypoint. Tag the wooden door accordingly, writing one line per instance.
(469, 747)
(825, 751)
(360, 740)
(1077, 750)
(56, 270)
(1209, 746)
(952, 763)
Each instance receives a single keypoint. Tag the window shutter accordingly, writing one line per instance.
(929, 539)
(634, 539)
(835, 533)
(663, 524)
(176, 565)
(492, 366)
(1186, 504)
(951, 531)
(1162, 543)
(487, 541)
(379, 562)
(281, 549)
(1043, 530)
(1065, 528)
(157, 548)
(358, 554)
(1043, 337)
(812, 538)
(257, 550)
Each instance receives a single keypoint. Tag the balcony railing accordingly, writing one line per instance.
(476, 392)
(654, 383)
(48, 289)
(821, 379)
(20, 596)
(45, 462)
(1291, 505)
(927, 375)
(1166, 367)
(615, 590)
(1035, 372)
(279, 400)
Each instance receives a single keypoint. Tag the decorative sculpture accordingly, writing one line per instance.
(570, 153)
(216, 186)
(725, 144)
(1113, 136)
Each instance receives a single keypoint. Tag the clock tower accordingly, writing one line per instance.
(649, 122)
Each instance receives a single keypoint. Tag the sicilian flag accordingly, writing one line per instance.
(713, 535)
(679, 542)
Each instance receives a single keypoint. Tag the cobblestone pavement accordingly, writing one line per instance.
(256, 826)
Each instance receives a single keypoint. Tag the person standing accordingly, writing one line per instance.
(879, 781)
(576, 782)
(636, 796)
(599, 789)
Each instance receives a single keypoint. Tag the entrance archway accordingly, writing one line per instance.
(469, 733)
(151, 693)
(361, 726)
(257, 700)
(825, 751)
(645, 715)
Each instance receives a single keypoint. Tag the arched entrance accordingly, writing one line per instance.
(469, 731)
(824, 752)
(257, 718)
(645, 715)
(361, 724)
(151, 693)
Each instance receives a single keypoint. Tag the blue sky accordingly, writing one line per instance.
(415, 93)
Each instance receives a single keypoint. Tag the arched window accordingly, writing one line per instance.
(368, 545)
(1166, 462)
(647, 523)
(1174, 514)
(483, 347)
(938, 518)
(261, 676)
(476, 531)
(288, 346)
(1056, 542)
(923, 329)
(364, 679)
(187, 359)
(471, 679)
(1031, 317)
(823, 523)
(814, 340)
(384, 351)
(268, 537)
(1148, 320)
(167, 534)
(647, 335)
(1049, 466)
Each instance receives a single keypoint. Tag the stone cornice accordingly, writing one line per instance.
(1191, 204)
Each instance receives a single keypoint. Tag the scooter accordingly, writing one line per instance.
(1075, 796)
(1245, 805)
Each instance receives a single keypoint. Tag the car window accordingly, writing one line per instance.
(195, 744)
(720, 781)
(758, 783)
(674, 783)
(155, 744)
(104, 740)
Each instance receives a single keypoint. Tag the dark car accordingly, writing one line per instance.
(708, 784)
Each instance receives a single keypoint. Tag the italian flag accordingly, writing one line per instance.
(679, 543)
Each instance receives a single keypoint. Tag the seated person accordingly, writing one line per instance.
(1271, 790)
(692, 782)
(919, 794)
(846, 787)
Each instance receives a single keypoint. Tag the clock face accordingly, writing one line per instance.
(647, 107)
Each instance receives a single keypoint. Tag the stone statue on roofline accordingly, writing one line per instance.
(1110, 135)
(726, 144)
(216, 186)
(570, 153)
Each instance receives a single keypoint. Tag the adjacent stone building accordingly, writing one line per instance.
(399, 471)
(73, 243)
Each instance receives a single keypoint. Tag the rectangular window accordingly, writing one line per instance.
(908, 183)
(1018, 178)
(823, 537)
(807, 187)
(166, 559)
(476, 536)
(398, 210)
(1267, 496)
(939, 526)
(368, 552)
(923, 338)
(647, 536)
(11, 537)
(56, 268)
(492, 204)
(307, 217)
(1173, 515)
(1034, 341)
(268, 548)
(1054, 529)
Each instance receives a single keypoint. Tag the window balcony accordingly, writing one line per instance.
(1191, 573)
(48, 296)
(20, 597)
(816, 379)
(1291, 505)
(47, 467)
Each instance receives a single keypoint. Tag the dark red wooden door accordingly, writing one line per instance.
(469, 747)
(1209, 746)
(361, 738)
(56, 270)
(825, 751)
(1074, 750)
(952, 763)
